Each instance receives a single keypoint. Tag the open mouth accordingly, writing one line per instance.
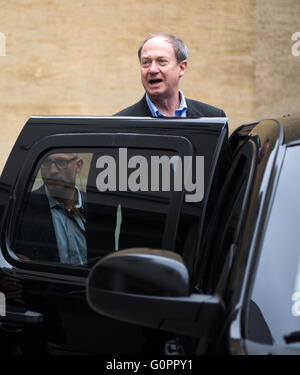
(155, 81)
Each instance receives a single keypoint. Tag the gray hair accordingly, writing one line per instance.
(180, 49)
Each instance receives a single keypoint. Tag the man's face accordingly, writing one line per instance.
(160, 72)
(59, 174)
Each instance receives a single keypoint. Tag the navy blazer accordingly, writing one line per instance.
(194, 109)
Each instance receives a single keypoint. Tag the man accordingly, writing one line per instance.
(163, 62)
(53, 227)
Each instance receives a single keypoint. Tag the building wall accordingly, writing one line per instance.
(79, 57)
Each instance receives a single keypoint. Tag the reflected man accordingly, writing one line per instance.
(54, 223)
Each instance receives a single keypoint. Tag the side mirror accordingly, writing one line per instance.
(141, 271)
(151, 288)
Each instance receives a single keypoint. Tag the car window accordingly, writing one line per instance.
(274, 311)
(80, 206)
(225, 219)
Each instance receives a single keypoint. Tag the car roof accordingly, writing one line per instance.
(289, 126)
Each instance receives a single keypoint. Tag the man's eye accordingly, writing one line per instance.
(145, 63)
(60, 162)
(46, 163)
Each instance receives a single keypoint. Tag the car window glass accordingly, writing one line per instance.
(275, 300)
(225, 217)
(80, 206)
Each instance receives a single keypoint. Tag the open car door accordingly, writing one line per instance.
(144, 183)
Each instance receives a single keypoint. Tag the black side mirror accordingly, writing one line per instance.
(151, 288)
(142, 271)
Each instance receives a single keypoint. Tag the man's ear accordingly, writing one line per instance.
(79, 165)
(182, 67)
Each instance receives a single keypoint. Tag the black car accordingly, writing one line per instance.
(194, 258)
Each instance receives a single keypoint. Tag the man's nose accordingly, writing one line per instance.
(53, 168)
(154, 67)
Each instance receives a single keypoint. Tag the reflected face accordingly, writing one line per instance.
(59, 174)
(160, 71)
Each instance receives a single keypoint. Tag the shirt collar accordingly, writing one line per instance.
(53, 202)
(179, 112)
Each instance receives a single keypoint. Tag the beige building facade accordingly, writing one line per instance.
(79, 57)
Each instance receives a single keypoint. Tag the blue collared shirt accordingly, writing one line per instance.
(179, 112)
(71, 242)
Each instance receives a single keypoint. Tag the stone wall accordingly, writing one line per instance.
(79, 57)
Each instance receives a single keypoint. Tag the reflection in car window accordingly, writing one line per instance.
(70, 217)
(275, 301)
(53, 226)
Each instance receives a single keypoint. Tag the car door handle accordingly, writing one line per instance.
(16, 314)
